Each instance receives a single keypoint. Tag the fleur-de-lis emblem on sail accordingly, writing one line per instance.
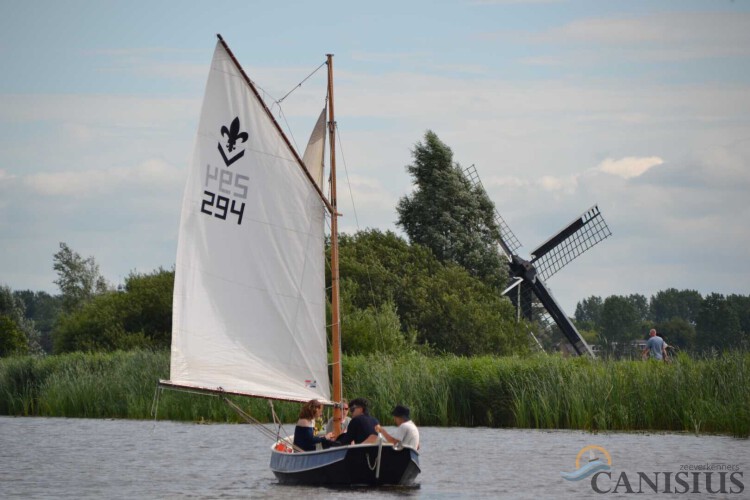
(233, 134)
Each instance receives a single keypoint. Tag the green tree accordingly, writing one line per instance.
(589, 312)
(446, 214)
(138, 316)
(440, 305)
(12, 339)
(640, 304)
(677, 332)
(78, 278)
(620, 323)
(16, 326)
(673, 303)
(718, 325)
(375, 329)
(149, 298)
(740, 304)
(44, 310)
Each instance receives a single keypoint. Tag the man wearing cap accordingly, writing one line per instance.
(362, 426)
(406, 432)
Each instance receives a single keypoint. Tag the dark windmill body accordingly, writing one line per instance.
(528, 276)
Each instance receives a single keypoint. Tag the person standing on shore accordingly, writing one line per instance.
(655, 347)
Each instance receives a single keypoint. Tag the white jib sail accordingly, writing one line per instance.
(315, 151)
(249, 298)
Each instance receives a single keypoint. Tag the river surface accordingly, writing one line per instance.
(112, 459)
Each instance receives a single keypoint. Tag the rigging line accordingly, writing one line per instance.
(259, 426)
(289, 129)
(300, 83)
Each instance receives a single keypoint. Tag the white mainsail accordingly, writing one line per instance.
(249, 298)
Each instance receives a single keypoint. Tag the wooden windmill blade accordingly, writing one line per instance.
(580, 235)
(508, 240)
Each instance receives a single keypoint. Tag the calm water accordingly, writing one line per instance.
(79, 458)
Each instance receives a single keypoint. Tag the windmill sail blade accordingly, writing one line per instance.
(508, 242)
(561, 319)
(580, 235)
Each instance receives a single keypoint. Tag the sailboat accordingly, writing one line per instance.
(249, 311)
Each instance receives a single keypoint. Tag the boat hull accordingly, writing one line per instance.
(347, 465)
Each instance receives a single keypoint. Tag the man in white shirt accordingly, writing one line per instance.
(406, 432)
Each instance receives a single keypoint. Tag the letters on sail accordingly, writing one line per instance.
(249, 301)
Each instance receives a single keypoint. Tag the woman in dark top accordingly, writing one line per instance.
(304, 432)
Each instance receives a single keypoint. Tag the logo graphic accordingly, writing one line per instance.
(594, 464)
(233, 135)
(225, 191)
(312, 384)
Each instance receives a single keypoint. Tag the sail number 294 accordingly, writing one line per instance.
(228, 183)
(221, 206)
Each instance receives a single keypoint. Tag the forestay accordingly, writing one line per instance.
(249, 298)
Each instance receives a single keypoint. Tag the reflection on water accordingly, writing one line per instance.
(53, 458)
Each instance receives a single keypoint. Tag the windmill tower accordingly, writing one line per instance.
(528, 276)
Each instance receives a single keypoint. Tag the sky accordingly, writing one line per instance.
(641, 107)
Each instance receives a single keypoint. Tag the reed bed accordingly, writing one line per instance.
(710, 395)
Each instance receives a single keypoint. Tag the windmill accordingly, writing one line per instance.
(529, 276)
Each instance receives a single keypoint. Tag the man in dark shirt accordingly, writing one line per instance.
(362, 426)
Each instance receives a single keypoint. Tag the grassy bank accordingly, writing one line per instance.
(696, 395)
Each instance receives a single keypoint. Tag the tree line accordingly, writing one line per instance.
(437, 290)
(684, 318)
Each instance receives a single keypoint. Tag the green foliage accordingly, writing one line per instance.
(78, 278)
(44, 310)
(673, 303)
(18, 333)
(138, 317)
(589, 312)
(446, 214)
(718, 324)
(685, 318)
(620, 321)
(12, 339)
(373, 330)
(695, 395)
(150, 299)
(677, 332)
(441, 304)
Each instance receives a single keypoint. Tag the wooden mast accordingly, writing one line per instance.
(335, 313)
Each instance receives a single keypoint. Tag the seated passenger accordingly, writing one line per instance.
(344, 423)
(361, 428)
(304, 431)
(406, 433)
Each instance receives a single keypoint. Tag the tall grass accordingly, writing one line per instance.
(548, 392)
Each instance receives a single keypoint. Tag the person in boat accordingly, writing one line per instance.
(304, 431)
(345, 422)
(406, 431)
(361, 428)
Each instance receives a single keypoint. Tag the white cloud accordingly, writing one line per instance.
(630, 166)
(5, 176)
(667, 36)
(152, 175)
